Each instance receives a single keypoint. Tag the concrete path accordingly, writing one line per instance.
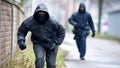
(100, 53)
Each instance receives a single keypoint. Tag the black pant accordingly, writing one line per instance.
(41, 53)
(81, 45)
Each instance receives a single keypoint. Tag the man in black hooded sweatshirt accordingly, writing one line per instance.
(82, 22)
(47, 35)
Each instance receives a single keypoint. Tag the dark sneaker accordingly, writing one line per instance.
(82, 58)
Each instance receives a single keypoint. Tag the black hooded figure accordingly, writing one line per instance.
(47, 35)
(82, 22)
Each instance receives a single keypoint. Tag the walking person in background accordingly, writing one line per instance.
(47, 35)
(82, 22)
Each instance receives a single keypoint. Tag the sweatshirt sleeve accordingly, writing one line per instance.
(91, 24)
(72, 20)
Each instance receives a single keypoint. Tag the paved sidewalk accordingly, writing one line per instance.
(100, 53)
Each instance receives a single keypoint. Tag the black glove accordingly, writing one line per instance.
(22, 45)
(52, 46)
(93, 34)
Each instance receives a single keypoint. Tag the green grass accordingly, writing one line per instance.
(108, 37)
(26, 59)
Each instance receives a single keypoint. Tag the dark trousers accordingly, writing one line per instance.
(81, 45)
(41, 53)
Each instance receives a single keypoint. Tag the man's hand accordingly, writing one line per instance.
(22, 45)
(52, 46)
(93, 34)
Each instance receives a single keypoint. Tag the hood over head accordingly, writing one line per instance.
(82, 5)
(41, 8)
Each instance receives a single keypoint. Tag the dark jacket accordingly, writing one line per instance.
(48, 32)
(83, 19)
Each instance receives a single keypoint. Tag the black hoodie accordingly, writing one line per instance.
(50, 31)
(83, 19)
(42, 8)
(82, 5)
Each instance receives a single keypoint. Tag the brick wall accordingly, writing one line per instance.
(11, 16)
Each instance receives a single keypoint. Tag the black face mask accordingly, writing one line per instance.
(42, 17)
(82, 11)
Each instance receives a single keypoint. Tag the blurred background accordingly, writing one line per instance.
(105, 14)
